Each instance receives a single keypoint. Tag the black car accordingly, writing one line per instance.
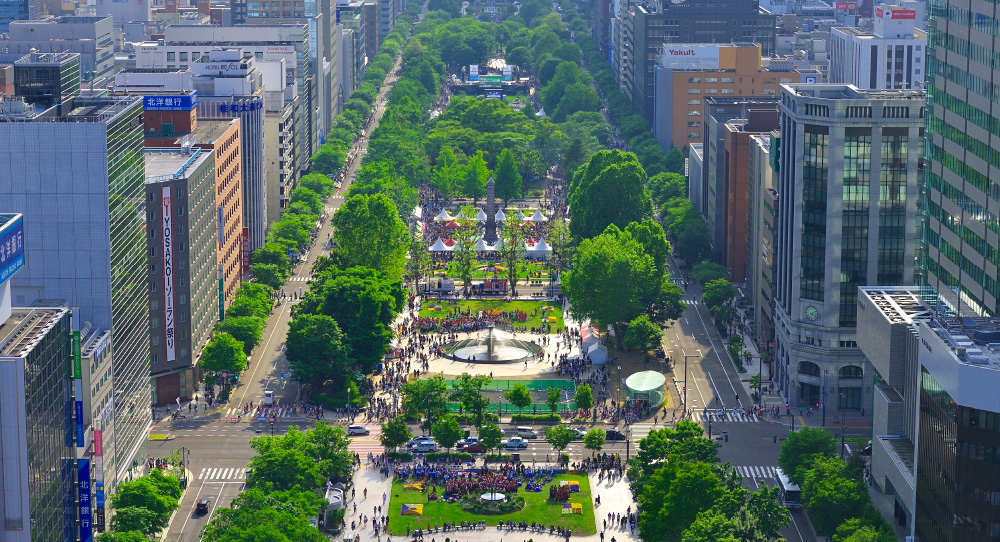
(614, 434)
(202, 507)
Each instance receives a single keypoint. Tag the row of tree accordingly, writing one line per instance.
(687, 495)
(833, 490)
(284, 487)
(142, 507)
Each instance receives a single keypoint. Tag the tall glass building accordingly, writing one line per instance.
(77, 174)
(962, 196)
(847, 217)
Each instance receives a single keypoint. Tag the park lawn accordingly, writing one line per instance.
(537, 509)
(485, 304)
(481, 272)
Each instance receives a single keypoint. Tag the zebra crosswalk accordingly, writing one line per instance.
(300, 279)
(279, 413)
(222, 473)
(757, 472)
(719, 417)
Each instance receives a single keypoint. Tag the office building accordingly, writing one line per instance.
(655, 26)
(717, 111)
(387, 10)
(696, 163)
(961, 198)
(891, 56)
(126, 11)
(848, 183)
(762, 217)
(688, 74)
(18, 10)
(735, 186)
(936, 420)
(91, 37)
(6, 80)
(279, 152)
(183, 266)
(170, 120)
(47, 79)
(88, 231)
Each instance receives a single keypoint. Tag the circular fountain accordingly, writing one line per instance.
(491, 345)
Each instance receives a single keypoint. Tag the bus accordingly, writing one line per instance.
(791, 495)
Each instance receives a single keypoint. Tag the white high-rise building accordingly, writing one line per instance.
(890, 57)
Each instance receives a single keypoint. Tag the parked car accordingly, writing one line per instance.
(514, 443)
(579, 433)
(614, 434)
(423, 447)
(526, 432)
(202, 507)
(466, 442)
(358, 430)
(418, 440)
(472, 448)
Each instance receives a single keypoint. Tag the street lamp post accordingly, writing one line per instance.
(618, 388)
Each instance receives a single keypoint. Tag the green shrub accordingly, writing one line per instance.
(543, 418)
(469, 419)
(399, 456)
(449, 456)
(498, 457)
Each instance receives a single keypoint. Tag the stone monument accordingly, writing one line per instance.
(490, 236)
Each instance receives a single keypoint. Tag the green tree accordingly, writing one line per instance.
(831, 494)
(282, 469)
(508, 181)
(395, 433)
(246, 329)
(318, 183)
(281, 516)
(328, 161)
(711, 526)
(476, 174)
(137, 519)
(369, 233)
(718, 292)
(121, 536)
(611, 281)
(223, 353)
(616, 196)
(643, 334)
(273, 254)
(856, 530)
(464, 255)
(665, 303)
(290, 233)
(685, 442)
(518, 396)
(419, 261)
(552, 398)
(561, 241)
(707, 271)
(653, 239)
(316, 350)
(512, 251)
(447, 172)
(676, 494)
(490, 436)
(269, 274)
(559, 436)
(311, 199)
(594, 439)
(665, 186)
(446, 431)
(801, 449)
(428, 397)
(584, 397)
(468, 390)
(675, 161)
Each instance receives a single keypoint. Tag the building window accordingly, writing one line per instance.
(184, 352)
(154, 304)
(694, 135)
(182, 299)
(727, 91)
(184, 56)
(694, 113)
(694, 91)
(815, 172)
(195, 56)
(181, 247)
(727, 79)
(694, 102)
(768, 92)
(808, 368)
(852, 372)
(786, 80)
(152, 286)
(694, 124)
(711, 79)
(154, 322)
(694, 79)
(171, 56)
(152, 268)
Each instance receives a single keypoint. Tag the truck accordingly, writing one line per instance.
(268, 398)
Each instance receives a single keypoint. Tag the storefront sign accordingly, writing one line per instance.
(83, 482)
(11, 249)
(246, 250)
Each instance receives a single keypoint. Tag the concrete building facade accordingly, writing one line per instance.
(891, 56)
(183, 266)
(847, 217)
(762, 214)
(91, 37)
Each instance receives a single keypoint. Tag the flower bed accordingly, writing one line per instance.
(476, 505)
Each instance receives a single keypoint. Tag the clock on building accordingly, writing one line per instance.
(812, 313)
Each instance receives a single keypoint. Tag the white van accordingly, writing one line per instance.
(268, 398)
(526, 432)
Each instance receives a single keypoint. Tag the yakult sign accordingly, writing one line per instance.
(691, 51)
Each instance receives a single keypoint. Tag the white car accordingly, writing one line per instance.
(358, 430)
(424, 446)
(515, 443)
(419, 440)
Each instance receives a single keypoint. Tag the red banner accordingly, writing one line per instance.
(895, 13)
(246, 250)
(846, 6)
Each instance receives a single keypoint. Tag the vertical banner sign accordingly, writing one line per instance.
(222, 295)
(77, 357)
(168, 274)
(473, 72)
(220, 225)
(83, 482)
(246, 250)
